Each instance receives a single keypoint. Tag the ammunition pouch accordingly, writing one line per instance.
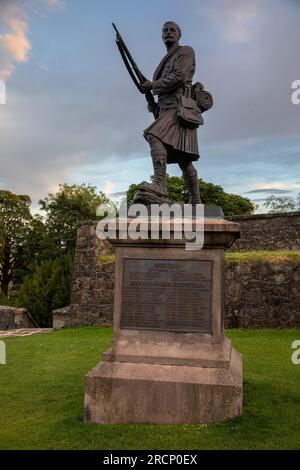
(189, 112)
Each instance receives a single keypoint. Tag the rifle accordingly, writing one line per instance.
(133, 70)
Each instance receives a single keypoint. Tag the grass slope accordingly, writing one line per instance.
(41, 390)
(270, 256)
(291, 256)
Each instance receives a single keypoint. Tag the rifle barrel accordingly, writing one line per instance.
(132, 68)
(129, 56)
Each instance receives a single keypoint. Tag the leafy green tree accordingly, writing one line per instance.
(47, 289)
(38, 246)
(282, 204)
(15, 218)
(232, 204)
(66, 210)
(177, 189)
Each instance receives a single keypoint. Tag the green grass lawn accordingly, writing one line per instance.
(41, 390)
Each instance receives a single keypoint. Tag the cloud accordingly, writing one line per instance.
(234, 19)
(73, 111)
(268, 190)
(278, 185)
(108, 187)
(118, 194)
(55, 3)
(14, 44)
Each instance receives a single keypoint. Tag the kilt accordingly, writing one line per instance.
(181, 142)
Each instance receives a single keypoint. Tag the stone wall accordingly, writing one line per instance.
(268, 232)
(92, 288)
(12, 318)
(61, 317)
(260, 293)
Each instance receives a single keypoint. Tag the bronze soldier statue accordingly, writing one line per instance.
(169, 141)
(173, 135)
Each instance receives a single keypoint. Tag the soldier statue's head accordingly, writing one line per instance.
(171, 34)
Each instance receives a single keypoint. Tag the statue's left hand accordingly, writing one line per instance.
(146, 86)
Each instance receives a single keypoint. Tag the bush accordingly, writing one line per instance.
(4, 300)
(47, 289)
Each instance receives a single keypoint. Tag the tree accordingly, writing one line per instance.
(38, 246)
(15, 218)
(232, 204)
(47, 289)
(282, 204)
(66, 210)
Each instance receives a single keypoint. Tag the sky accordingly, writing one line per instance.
(73, 115)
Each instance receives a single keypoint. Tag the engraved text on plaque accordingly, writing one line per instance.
(161, 294)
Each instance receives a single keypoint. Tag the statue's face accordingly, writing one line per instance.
(170, 34)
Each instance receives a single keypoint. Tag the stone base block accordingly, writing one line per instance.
(124, 392)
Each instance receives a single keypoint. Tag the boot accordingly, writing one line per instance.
(191, 181)
(159, 180)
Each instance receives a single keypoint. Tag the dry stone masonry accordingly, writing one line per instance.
(262, 293)
(268, 232)
(12, 318)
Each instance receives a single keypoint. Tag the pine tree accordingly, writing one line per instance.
(47, 289)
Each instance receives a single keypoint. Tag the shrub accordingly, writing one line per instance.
(47, 289)
(4, 300)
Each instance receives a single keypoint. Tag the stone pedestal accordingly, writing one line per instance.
(170, 362)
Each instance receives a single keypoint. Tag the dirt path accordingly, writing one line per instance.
(24, 332)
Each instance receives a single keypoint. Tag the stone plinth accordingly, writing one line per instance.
(169, 362)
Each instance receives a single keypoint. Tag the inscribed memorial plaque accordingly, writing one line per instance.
(172, 295)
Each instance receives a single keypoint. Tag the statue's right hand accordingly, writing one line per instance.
(146, 86)
(153, 108)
